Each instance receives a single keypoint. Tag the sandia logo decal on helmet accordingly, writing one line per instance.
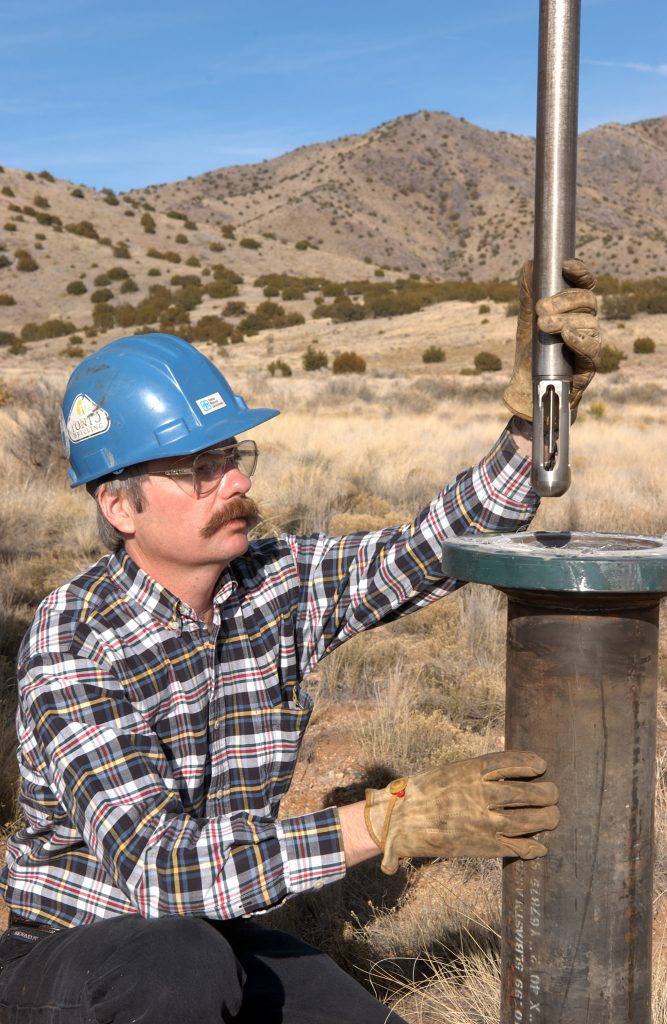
(86, 419)
(211, 402)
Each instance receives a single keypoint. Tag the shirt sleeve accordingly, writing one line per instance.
(356, 582)
(119, 823)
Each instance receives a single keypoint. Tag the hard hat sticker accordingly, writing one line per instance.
(86, 419)
(211, 402)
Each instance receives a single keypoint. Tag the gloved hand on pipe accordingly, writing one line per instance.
(482, 807)
(572, 314)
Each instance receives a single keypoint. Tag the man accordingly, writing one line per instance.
(161, 708)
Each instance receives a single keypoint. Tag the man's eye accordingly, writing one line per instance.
(208, 469)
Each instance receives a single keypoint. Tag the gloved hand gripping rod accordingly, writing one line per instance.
(555, 211)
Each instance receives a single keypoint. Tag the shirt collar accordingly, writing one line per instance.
(155, 599)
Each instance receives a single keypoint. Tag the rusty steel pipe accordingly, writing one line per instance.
(582, 657)
(554, 239)
(582, 690)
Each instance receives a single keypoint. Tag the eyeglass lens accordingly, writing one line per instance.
(209, 467)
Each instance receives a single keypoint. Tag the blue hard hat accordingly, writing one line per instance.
(147, 397)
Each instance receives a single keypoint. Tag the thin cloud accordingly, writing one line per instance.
(650, 69)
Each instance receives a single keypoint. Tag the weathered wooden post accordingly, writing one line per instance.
(582, 656)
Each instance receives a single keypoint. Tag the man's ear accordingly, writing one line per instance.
(117, 509)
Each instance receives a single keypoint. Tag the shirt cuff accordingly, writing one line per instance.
(312, 850)
(502, 482)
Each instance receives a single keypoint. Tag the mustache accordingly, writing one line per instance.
(236, 508)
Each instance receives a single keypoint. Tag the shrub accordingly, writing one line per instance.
(76, 288)
(41, 202)
(269, 315)
(483, 309)
(292, 293)
(433, 354)
(125, 314)
(77, 193)
(181, 239)
(223, 273)
(314, 359)
(117, 274)
(7, 300)
(102, 280)
(84, 228)
(216, 247)
(129, 286)
(104, 317)
(148, 224)
(101, 295)
(121, 251)
(227, 231)
(25, 262)
(348, 362)
(48, 329)
(393, 303)
(610, 359)
(340, 310)
(222, 289)
(189, 296)
(6, 338)
(621, 306)
(280, 367)
(332, 290)
(212, 328)
(192, 261)
(270, 292)
(49, 220)
(597, 409)
(250, 243)
(46, 176)
(237, 308)
(110, 197)
(171, 257)
(643, 346)
(487, 362)
(7, 190)
(73, 350)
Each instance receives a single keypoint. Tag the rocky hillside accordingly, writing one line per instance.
(427, 194)
(434, 194)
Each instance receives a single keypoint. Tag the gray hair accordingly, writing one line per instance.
(130, 483)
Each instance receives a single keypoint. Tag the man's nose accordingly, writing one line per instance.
(234, 482)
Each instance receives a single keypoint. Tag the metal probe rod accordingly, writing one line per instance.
(555, 211)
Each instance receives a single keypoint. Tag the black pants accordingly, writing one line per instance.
(175, 970)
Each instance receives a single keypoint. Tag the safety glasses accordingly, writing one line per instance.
(202, 474)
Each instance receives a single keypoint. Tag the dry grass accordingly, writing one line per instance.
(362, 454)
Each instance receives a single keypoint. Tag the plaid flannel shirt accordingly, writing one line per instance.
(154, 752)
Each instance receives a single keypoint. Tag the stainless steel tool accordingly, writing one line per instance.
(555, 213)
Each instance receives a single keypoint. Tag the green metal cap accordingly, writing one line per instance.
(593, 562)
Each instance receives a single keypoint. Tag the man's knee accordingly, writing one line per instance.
(169, 969)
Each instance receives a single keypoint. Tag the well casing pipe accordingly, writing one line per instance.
(582, 668)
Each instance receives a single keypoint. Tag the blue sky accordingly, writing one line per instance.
(128, 93)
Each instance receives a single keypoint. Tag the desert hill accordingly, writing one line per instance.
(426, 194)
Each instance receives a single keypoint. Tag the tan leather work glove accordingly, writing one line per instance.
(572, 314)
(475, 808)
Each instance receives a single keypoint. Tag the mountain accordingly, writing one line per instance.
(426, 194)
(433, 194)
